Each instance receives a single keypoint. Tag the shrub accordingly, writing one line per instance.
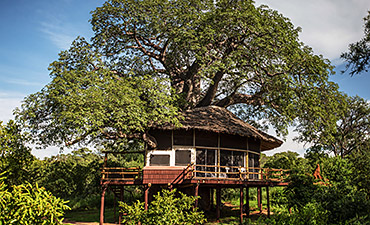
(29, 205)
(165, 209)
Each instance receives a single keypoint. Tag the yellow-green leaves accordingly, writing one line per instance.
(29, 205)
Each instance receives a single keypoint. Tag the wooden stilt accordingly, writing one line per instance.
(121, 194)
(241, 204)
(259, 199)
(196, 194)
(218, 203)
(146, 196)
(268, 201)
(247, 202)
(101, 222)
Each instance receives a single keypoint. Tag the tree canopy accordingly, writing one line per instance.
(358, 55)
(148, 59)
(351, 131)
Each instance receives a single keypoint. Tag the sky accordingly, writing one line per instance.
(34, 32)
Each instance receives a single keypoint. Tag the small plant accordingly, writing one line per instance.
(165, 209)
(29, 205)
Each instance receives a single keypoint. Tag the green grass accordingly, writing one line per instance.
(90, 215)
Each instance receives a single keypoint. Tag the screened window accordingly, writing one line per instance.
(207, 158)
(163, 138)
(182, 157)
(233, 141)
(254, 144)
(253, 161)
(204, 138)
(160, 160)
(183, 137)
(232, 158)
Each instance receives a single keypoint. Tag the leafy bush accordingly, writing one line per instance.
(29, 205)
(15, 157)
(310, 214)
(165, 209)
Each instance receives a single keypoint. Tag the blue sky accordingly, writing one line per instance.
(34, 32)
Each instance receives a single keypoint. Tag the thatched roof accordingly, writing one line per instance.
(221, 120)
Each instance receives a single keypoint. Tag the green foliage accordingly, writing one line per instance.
(15, 157)
(29, 205)
(342, 197)
(361, 170)
(72, 175)
(358, 55)
(87, 103)
(284, 160)
(309, 214)
(338, 202)
(164, 209)
(350, 132)
(147, 59)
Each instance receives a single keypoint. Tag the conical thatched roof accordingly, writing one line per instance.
(221, 120)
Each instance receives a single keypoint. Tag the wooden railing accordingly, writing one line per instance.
(121, 173)
(203, 172)
(239, 173)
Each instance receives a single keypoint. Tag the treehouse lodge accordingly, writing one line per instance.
(212, 150)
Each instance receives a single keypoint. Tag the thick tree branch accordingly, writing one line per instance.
(212, 90)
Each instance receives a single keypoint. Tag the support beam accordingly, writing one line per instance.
(101, 222)
(196, 193)
(241, 204)
(259, 199)
(247, 202)
(218, 203)
(146, 197)
(268, 201)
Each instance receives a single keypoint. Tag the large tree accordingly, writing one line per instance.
(199, 53)
(358, 55)
(350, 135)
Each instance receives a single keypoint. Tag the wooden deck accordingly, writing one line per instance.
(192, 174)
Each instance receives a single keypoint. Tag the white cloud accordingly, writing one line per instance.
(328, 25)
(8, 104)
(59, 35)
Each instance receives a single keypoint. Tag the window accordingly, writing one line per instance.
(233, 141)
(205, 138)
(254, 162)
(160, 160)
(232, 158)
(183, 137)
(163, 138)
(254, 144)
(206, 157)
(182, 157)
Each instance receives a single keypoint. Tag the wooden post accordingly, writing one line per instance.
(121, 194)
(259, 199)
(241, 204)
(218, 203)
(101, 222)
(105, 159)
(196, 194)
(247, 201)
(268, 201)
(146, 196)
